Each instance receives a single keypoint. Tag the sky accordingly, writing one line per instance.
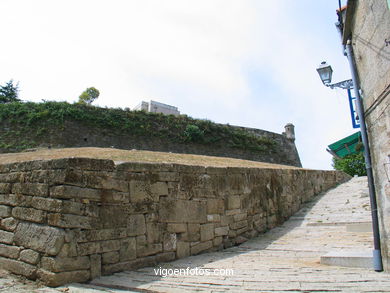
(243, 62)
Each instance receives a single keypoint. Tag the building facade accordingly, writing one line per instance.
(156, 107)
(367, 24)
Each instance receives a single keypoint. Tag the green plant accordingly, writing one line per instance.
(193, 133)
(88, 96)
(352, 164)
(9, 92)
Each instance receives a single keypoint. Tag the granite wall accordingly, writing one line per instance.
(71, 220)
(369, 23)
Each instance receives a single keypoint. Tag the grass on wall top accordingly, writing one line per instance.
(37, 119)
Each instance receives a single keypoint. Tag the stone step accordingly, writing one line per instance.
(348, 258)
(359, 227)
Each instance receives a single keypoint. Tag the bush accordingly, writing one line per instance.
(193, 133)
(353, 164)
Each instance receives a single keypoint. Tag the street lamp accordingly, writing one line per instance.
(325, 72)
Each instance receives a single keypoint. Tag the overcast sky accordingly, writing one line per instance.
(243, 62)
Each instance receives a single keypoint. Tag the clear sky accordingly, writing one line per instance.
(243, 62)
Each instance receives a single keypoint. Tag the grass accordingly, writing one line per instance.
(135, 156)
(29, 125)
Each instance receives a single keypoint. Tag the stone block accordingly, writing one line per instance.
(202, 246)
(206, 232)
(217, 241)
(193, 232)
(91, 210)
(149, 249)
(29, 256)
(215, 218)
(5, 211)
(226, 220)
(112, 196)
(153, 232)
(69, 192)
(215, 206)
(88, 248)
(240, 217)
(65, 264)
(83, 164)
(182, 249)
(233, 212)
(129, 265)
(168, 176)
(5, 187)
(96, 266)
(45, 204)
(71, 221)
(9, 251)
(57, 279)
(6, 237)
(37, 189)
(136, 225)
(233, 202)
(182, 211)
(165, 257)
(109, 216)
(99, 235)
(128, 249)
(159, 189)
(40, 238)
(9, 224)
(177, 227)
(221, 231)
(110, 257)
(18, 267)
(109, 245)
(169, 242)
(68, 250)
(10, 177)
(112, 184)
(29, 214)
(11, 199)
(140, 191)
(239, 225)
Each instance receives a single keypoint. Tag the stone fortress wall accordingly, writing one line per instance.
(71, 220)
(76, 134)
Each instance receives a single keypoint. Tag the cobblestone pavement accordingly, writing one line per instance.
(285, 259)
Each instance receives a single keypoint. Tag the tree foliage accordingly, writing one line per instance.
(193, 133)
(352, 164)
(9, 92)
(88, 96)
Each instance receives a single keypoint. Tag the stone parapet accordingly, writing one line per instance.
(71, 220)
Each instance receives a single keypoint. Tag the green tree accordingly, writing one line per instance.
(9, 92)
(352, 164)
(193, 133)
(88, 96)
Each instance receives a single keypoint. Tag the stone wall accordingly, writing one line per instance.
(79, 134)
(370, 22)
(71, 220)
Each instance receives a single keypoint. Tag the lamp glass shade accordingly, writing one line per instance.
(325, 71)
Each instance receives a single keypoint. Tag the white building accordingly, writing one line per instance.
(156, 107)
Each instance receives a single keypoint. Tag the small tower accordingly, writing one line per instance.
(289, 131)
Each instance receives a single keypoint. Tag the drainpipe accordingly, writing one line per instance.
(377, 257)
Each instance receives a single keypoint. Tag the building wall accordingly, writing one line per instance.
(71, 220)
(156, 107)
(370, 27)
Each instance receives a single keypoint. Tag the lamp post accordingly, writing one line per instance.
(325, 71)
